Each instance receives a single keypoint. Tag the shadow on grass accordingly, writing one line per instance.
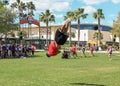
(86, 84)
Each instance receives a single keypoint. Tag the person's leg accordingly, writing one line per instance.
(110, 57)
(76, 54)
(64, 28)
(61, 34)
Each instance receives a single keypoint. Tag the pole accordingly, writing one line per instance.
(39, 36)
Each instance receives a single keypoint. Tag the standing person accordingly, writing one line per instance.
(110, 53)
(107, 49)
(33, 48)
(74, 51)
(83, 51)
(60, 38)
(91, 50)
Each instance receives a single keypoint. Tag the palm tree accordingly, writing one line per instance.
(13, 6)
(5, 2)
(30, 6)
(98, 15)
(20, 6)
(69, 14)
(51, 19)
(46, 18)
(79, 13)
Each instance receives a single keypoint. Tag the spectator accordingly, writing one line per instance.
(74, 51)
(83, 51)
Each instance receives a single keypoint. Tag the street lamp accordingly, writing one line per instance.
(30, 20)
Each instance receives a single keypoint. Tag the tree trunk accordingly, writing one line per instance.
(78, 31)
(70, 35)
(119, 43)
(28, 30)
(39, 37)
(99, 33)
(47, 33)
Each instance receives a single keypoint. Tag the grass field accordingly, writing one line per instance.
(42, 71)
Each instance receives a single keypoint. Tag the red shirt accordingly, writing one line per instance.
(74, 48)
(91, 49)
(53, 49)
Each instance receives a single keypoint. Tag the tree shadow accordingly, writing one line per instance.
(86, 84)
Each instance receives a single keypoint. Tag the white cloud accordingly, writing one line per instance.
(60, 6)
(116, 1)
(90, 2)
(89, 9)
(54, 5)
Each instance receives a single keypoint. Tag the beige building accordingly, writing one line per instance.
(86, 32)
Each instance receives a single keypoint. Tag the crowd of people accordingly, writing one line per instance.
(19, 50)
(16, 50)
(72, 51)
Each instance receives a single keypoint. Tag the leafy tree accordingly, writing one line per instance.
(20, 6)
(95, 36)
(30, 7)
(98, 15)
(69, 14)
(6, 19)
(79, 13)
(46, 17)
(24, 34)
(72, 34)
(5, 2)
(51, 19)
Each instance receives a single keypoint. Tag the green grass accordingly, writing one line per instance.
(54, 71)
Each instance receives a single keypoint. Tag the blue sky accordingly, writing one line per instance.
(111, 8)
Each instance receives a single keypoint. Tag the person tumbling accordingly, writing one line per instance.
(60, 39)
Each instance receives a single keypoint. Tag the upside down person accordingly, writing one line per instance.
(60, 39)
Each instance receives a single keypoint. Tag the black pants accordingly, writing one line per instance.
(60, 37)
